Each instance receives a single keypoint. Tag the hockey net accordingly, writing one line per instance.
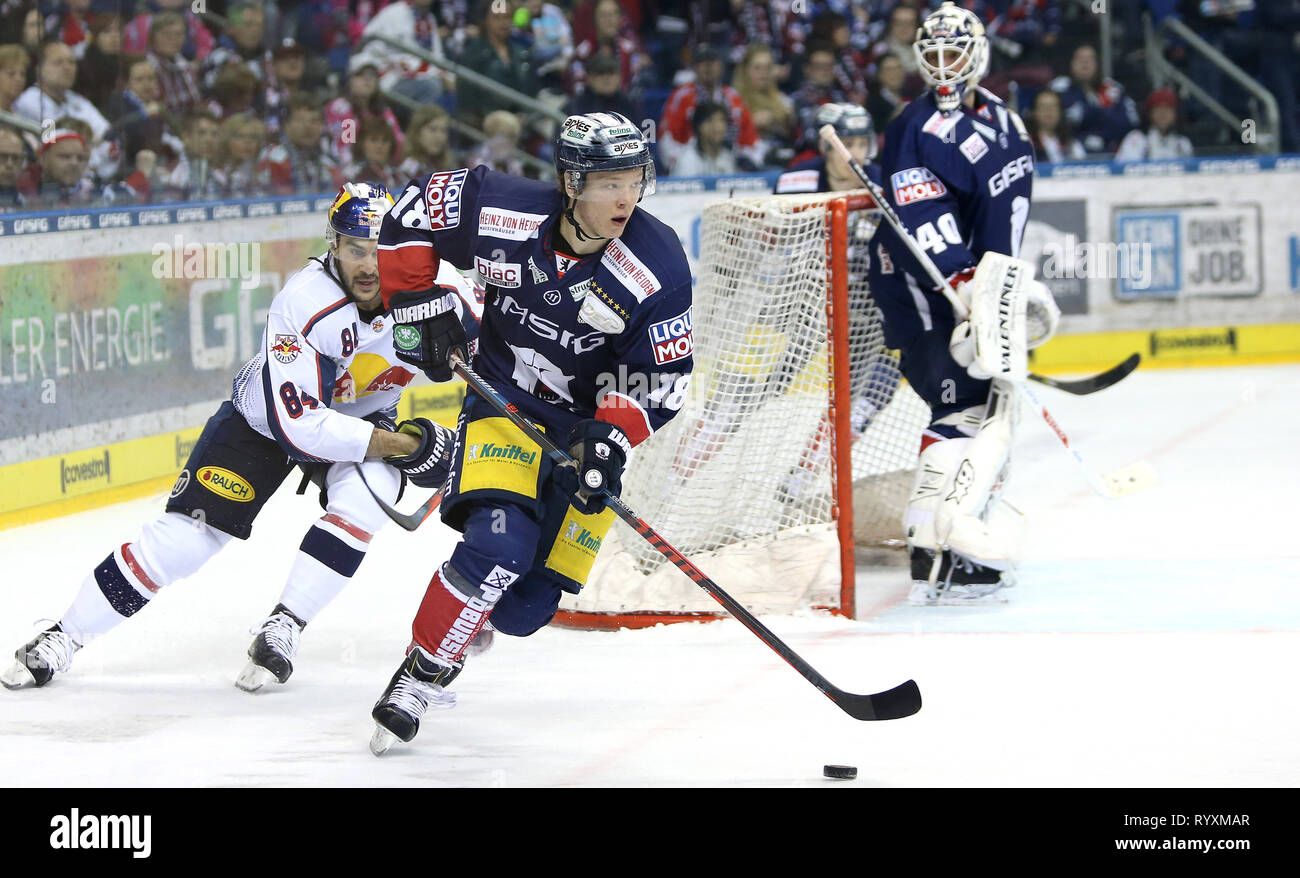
(796, 441)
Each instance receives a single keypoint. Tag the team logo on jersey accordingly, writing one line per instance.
(225, 483)
(406, 337)
(182, 482)
(508, 275)
(377, 325)
(551, 297)
(672, 339)
(442, 198)
(599, 315)
(916, 184)
(286, 348)
(367, 374)
(973, 148)
(539, 276)
(509, 224)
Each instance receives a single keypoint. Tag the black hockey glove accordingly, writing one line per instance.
(428, 465)
(600, 450)
(427, 331)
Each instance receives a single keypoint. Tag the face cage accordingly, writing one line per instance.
(578, 180)
(951, 77)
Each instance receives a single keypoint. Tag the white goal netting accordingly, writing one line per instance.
(743, 480)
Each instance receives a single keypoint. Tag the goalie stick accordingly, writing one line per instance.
(901, 701)
(1113, 485)
(409, 522)
(1083, 386)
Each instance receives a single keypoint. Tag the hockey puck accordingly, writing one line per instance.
(840, 772)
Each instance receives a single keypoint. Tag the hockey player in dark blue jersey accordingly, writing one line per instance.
(828, 172)
(957, 165)
(586, 330)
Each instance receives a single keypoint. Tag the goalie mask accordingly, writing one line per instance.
(952, 52)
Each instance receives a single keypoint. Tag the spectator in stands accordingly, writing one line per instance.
(898, 39)
(1050, 133)
(241, 141)
(69, 23)
(832, 28)
(820, 86)
(376, 157)
(502, 131)
(887, 98)
(491, 54)
(675, 129)
(1160, 140)
(13, 74)
(584, 16)
(288, 65)
(197, 41)
(612, 35)
(1021, 31)
(301, 162)
(772, 111)
(235, 91)
(1276, 26)
(1098, 109)
(360, 102)
(549, 41)
(61, 176)
(141, 123)
(774, 25)
(428, 143)
(602, 91)
(176, 77)
(708, 152)
(189, 176)
(13, 156)
(53, 98)
(408, 21)
(100, 69)
(243, 43)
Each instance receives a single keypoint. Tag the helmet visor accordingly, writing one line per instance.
(629, 184)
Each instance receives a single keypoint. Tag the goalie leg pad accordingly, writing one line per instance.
(999, 290)
(958, 484)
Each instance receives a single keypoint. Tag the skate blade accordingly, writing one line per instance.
(920, 598)
(381, 740)
(17, 677)
(253, 677)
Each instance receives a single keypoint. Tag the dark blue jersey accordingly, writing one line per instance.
(810, 176)
(961, 183)
(606, 335)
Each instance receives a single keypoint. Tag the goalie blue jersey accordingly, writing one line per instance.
(961, 183)
(607, 335)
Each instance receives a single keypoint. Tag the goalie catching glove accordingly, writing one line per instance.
(428, 465)
(600, 452)
(428, 330)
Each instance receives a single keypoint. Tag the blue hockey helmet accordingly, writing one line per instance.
(849, 120)
(601, 142)
(358, 211)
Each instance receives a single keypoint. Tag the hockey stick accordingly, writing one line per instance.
(903, 700)
(1100, 381)
(1119, 483)
(409, 522)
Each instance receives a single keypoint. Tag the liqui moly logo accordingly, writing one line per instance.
(916, 184)
(672, 339)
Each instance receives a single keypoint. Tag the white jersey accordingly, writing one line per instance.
(323, 366)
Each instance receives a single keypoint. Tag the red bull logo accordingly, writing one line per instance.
(367, 374)
(286, 348)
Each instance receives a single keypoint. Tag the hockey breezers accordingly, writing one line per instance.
(407, 521)
(903, 700)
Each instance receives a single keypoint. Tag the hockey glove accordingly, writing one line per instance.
(960, 283)
(427, 331)
(600, 450)
(428, 465)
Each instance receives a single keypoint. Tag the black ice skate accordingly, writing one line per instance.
(960, 581)
(41, 659)
(416, 687)
(272, 652)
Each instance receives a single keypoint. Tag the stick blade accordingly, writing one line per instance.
(1084, 386)
(901, 701)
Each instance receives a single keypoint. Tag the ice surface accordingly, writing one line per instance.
(1152, 642)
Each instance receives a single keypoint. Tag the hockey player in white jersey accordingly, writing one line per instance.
(321, 393)
(957, 165)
